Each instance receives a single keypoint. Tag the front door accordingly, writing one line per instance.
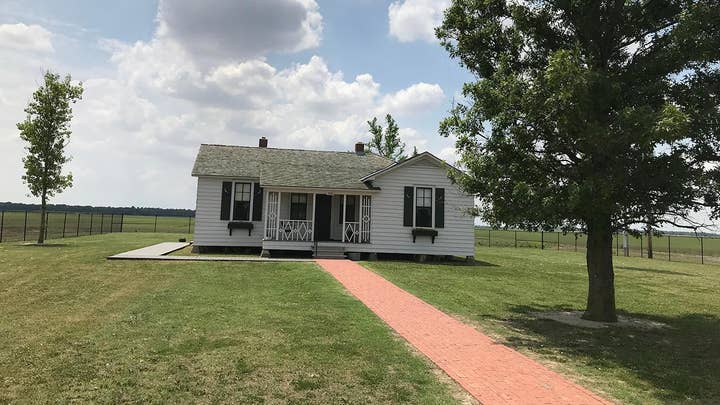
(323, 205)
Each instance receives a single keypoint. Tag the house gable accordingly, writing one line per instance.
(425, 158)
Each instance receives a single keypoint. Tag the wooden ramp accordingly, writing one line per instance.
(160, 249)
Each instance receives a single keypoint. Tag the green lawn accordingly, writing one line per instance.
(679, 364)
(78, 328)
(62, 225)
(682, 248)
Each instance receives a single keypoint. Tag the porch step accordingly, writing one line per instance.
(329, 252)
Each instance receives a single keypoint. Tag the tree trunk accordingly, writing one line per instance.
(601, 279)
(649, 242)
(43, 208)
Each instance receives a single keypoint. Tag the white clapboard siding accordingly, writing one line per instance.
(387, 231)
(209, 229)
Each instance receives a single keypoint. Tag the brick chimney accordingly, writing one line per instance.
(360, 148)
(263, 142)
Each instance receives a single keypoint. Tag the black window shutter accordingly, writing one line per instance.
(257, 202)
(225, 202)
(439, 208)
(408, 206)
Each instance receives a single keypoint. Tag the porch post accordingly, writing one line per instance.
(312, 235)
(277, 219)
(359, 204)
(343, 214)
(265, 214)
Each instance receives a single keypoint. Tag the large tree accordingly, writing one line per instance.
(46, 129)
(593, 114)
(386, 142)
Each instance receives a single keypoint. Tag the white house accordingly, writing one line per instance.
(329, 203)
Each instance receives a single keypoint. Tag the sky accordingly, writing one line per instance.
(162, 77)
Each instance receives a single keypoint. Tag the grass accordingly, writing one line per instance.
(678, 364)
(61, 225)
(682, 248)
(78, 328)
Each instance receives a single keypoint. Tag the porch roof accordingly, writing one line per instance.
(289, 167)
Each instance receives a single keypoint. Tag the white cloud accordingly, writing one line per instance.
(416, 98)
(412, 20)
(449, 155)
(33, 38)
(413, 139)
(142, 117)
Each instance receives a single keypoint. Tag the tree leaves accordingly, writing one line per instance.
(587, 109)
(46, 129)
(386, 142)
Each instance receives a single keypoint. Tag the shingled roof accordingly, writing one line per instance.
(289, 167)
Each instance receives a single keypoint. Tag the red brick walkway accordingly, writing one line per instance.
(489, 371)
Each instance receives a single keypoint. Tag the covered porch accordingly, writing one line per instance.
(317, 216)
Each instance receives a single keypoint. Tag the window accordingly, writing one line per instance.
(350, 204)
(243, 195)
(298, 206)
(350, 208)
(423, 207)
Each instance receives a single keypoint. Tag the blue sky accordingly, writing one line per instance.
(160, 78)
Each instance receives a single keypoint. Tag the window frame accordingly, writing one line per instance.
(292, 195)
(432, 206)
(252, 198)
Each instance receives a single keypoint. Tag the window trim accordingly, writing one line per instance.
(252, 200)
(432, 205)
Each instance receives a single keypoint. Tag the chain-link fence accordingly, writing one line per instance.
(25, 225)
(685, 248)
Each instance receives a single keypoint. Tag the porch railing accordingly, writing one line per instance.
(295, 230)
(352, 232)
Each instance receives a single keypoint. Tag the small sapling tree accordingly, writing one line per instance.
(46, 129)
(386, 142)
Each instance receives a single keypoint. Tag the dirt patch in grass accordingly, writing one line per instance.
(574, 318)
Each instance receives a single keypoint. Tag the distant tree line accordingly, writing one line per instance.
(168, 212)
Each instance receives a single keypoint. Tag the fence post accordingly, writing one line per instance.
(641, 252)
(102, 222)
(91, 215)
(516, 238)
(2, 221)
(155, 227)
(64, 223)
(189, 223)
(25, 227)
(542, 240)
(702, 251)
(122, 221)
(575, 233)
(77, 228)
(112, 222)
(617, 243)
(558, 240)
(668, 247)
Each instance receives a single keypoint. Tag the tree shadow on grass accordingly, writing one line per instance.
(657, 271)
(682, 361)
